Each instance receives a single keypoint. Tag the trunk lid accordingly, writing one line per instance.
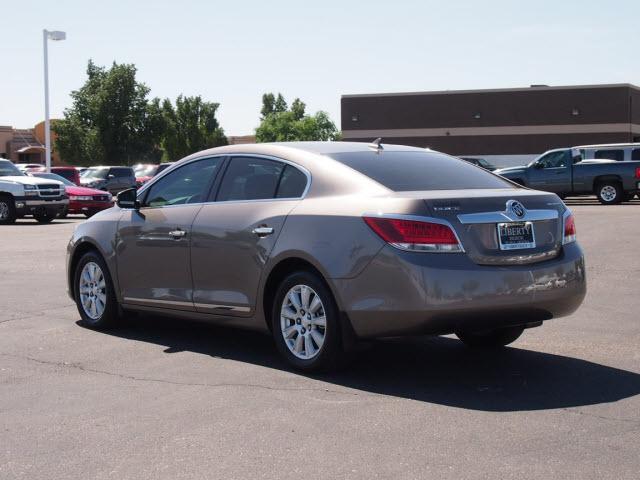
(475, 215)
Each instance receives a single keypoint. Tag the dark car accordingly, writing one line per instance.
(323, 243)
(70, 173)
(564, 172)
(480, 162)
(110, 179)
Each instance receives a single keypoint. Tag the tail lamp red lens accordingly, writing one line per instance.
(569, 229)
(637, 172)
(415, 235)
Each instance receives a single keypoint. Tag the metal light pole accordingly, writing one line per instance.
(56, 36)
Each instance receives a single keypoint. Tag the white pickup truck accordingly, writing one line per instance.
(22, 195)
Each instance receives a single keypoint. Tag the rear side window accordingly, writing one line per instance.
(409, 171)
(610, 154)
(635, 154)
(292, 183)
(249, 178)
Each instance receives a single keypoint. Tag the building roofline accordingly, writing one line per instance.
(495, 90)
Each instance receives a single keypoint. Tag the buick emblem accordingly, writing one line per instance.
(515, 207)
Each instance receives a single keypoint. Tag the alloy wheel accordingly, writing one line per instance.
(93, 292)
(303, 322)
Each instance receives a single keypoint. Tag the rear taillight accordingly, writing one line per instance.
(637, 172)
(569, 229)
(415, 235)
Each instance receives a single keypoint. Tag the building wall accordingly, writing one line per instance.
(6, 135)
(38, 132)
(496, 122)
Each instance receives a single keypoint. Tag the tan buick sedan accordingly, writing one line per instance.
(322, 244)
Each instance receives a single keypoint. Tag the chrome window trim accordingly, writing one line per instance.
(141, 192)
(273, 159)
(419, 218)
(498, 217)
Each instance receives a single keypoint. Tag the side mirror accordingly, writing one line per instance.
(128, 199)
(538, 166)
(111, 175)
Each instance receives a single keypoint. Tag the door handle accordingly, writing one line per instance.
(177, 234)
(262, 231)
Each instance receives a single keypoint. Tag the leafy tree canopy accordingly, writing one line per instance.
(279, 123)
(111, 120)
(190, 126)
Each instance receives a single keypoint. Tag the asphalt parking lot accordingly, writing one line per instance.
(163, 398)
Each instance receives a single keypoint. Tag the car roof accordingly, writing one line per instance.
(609, 145)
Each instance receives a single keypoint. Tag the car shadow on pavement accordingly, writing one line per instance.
(438, 370)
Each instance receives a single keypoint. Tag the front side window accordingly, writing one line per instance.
(617, 155)
(188, 184)
(554, 160)
(249, 178)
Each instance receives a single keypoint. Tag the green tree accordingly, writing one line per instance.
(190, 126)
(110, 120)
(279, 123)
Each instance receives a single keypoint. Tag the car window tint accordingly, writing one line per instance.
(249, 178)
(292, 183)
(187, 184)
(416, 170)
(635, 154)
(610, 154)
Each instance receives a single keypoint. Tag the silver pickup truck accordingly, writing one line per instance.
(564, 172)
(21, 195)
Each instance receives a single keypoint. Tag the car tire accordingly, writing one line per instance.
(7, 210)
(63, 213)
(305, 312)
(93, 292)
(90, 213)
(609, 193)
(44, 216)
(491, 339)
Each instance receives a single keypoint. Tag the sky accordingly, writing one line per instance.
(233, 52)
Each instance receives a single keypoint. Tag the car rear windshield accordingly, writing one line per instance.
(412, 171)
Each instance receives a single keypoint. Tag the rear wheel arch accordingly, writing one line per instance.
(279, 272)
(597, 181)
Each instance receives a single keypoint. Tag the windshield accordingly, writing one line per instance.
(484, 163)
(8, 169)
(415, 170)
(145, 170)
(99, 173)
(53, 176)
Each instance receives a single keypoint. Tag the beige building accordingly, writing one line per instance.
(25, 145)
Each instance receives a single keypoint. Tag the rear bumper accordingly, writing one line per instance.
(403, 293)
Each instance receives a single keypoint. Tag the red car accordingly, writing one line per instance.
(146, 171)
(87, 201)
(70, 173)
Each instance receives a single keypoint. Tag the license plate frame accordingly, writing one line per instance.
(510, 240)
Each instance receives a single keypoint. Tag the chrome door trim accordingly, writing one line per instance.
(154, 301)
(228, 308)
(497, 217)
